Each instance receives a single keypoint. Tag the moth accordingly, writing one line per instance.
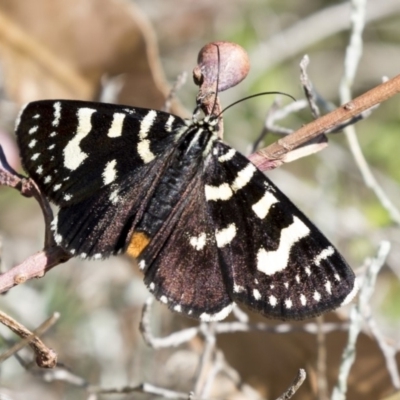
(207, 228)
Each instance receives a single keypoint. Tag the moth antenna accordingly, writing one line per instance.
(252, 96)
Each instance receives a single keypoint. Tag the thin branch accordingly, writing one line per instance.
(322, 382)
(308, 88)
(38, 264)
(209, 334)
(34, 266)
(272, 156)
(173, 340)
(299, 37)
(179, 82)
(356, 319)
(388, 351)
(298, 381)
(45, 357)
(142, 388)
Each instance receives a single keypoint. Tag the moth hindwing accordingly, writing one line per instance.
(207, 227)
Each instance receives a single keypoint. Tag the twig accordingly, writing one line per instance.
(173, 340)
(388, 351)
(271, 156)
(142, 388)
(38, 264)
(322, 382)
(298, 381)
(356, 319)
(298, 37)
(180, 337)
(209, 334)
(179, 82)
(34, 266)
(308, 88)
(353, 54)
(45, 357)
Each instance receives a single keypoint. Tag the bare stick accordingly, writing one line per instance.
(209, 334)
(356, 319)
(142, 388)
(34, 266)
(298, 381)
(173, 340)
(271, 156)
(388, 351)
(353, 55)
(38, 264)
(179, 82)
(45, 357)
(308, 87)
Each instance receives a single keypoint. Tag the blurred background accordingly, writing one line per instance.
(131, 52)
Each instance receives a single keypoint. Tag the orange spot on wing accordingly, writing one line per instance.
(138, 243)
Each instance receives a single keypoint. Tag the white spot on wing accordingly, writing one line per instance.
(144, 151)
(35, 156)
(152, 286)
(116, 125)
(67, 197)
(97, 256)
(33, 130)
(227, 156)
(47, 179)
(54, 223)
(198, 242)
(57, 113)
(328, 287)
(114, 196)
(262, 207)
(324, 255)
(164, 299)
(39, 170)
(56, 187)
(238, 288)
(51, 147)
(73, 155)
(221, 192)
(288, 303)
(256, 294)
(144, 144)
(168, 124)
(217, 316)
(272, 300)
(142, 265)
(36, 116)
(109, 173)
(178, 308)
(244, 177)
(270, 262)
(32, 143)
(317, 296)
(303, 300)
(225, 236)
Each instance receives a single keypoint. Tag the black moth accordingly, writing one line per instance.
(207, 227)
